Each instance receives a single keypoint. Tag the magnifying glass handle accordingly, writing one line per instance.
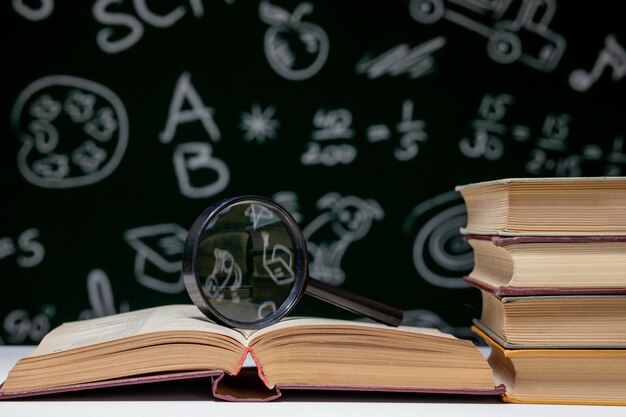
(345, 299)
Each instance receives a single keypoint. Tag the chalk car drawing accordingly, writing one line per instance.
(514, 31)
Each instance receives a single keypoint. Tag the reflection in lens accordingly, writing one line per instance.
(245, 262)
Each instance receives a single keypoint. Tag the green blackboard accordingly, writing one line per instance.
(123, 120)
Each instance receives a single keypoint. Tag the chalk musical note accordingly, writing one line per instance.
(611, 57)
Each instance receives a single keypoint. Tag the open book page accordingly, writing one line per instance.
(291, 322)
(79, 334)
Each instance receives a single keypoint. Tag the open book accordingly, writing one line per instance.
(177, 341)
(546, 206)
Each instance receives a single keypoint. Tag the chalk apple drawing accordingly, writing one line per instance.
(296, 50)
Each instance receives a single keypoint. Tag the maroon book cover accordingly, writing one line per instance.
(247, 385)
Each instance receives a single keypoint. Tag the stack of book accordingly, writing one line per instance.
(550, 262)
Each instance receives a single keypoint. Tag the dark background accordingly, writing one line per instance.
(74, 245)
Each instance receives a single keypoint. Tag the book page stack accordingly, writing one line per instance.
(550, 262)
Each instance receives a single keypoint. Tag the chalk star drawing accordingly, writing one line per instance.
(259, 124)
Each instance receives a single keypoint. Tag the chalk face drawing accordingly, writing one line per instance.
(296, 50)
(510, 27)
(73, 131)
(440, 254)
(159, 250)
(612, 57)
(344, 220)
(198, 172)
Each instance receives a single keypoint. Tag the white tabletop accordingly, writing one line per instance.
(179, 399)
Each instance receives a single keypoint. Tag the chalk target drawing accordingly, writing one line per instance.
(440, 254)
(74, 132)
(296, 50)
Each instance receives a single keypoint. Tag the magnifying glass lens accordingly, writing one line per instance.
(245, 266)
(248, 265)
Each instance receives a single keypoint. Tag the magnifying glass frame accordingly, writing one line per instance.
(302, 281)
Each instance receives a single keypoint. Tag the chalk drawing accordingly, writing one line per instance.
(109, 39)
(402, 59)
(412, 133)
(100, 295)
(440, 254)
(225, 272)
(553, 141)
(289, 201)
(185, 93)
(508, 40)
(344, 220)
(159, 245)
(196, 158)
(279, 266)
(330, 125)
(40, 10)
(612, 57)
(488, 128)
(265, 309)
(259, 125)
(28, 251)
(259, 215)
(57, 119)
(296, 50)
(21, 327)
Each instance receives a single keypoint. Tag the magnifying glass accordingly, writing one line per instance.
(245, 266)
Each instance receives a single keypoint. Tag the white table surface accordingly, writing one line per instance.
(172, 400)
